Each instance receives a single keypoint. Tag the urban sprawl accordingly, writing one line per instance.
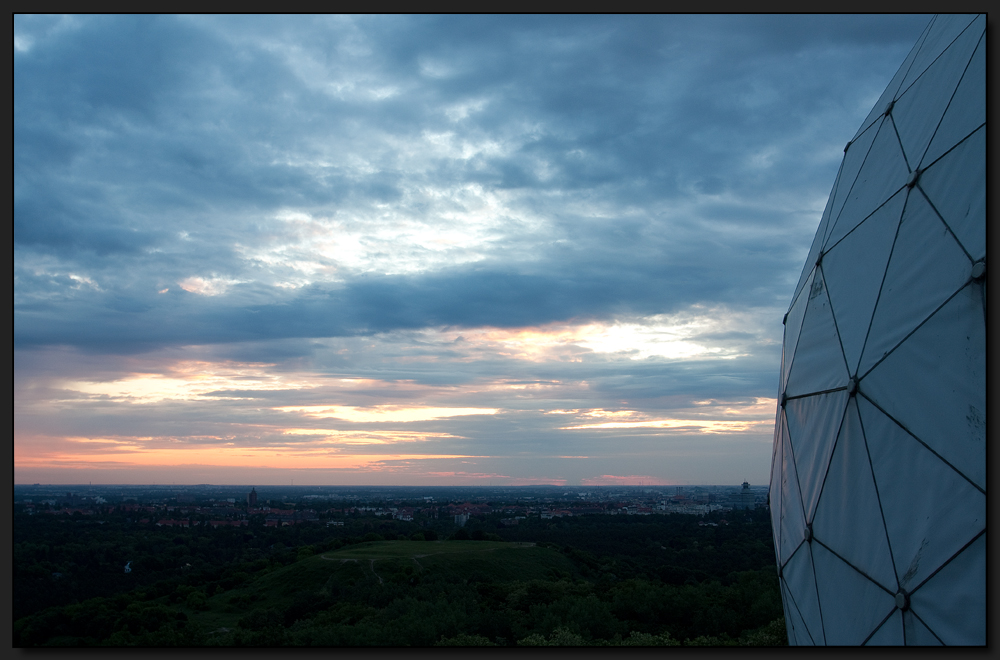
(187, 506)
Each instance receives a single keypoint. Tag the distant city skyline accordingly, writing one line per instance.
(419, 250)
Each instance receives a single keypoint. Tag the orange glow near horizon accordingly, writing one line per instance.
(240, 415)
(132, 453)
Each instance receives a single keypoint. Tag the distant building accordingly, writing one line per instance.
(745, 499)
(461, 519)
(252, 497)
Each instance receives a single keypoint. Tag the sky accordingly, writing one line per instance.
(419, 250)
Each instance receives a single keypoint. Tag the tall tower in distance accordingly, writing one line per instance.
(746, 500)
(252, 497)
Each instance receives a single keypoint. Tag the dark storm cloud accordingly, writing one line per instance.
(123, 321)
(670, 159)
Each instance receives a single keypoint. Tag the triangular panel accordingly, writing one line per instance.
(882, 497)
(943, 31)
(890, 633)
(774, 491)
(916, 632)
(953, 602)
(793, 325)
(785, 602)
(885, 171)
(801, 581)
(854, 160)
(818, 363)
(792, 519)
(853, 605)
(926, 267)
(919, 110)
(930, 510)
(813, 423)
(818, 240)
(854, 269)
(849, 509)
(946, 358)
(776, 443)
(956, 186)
(890, 91)
(967, 110)
(798, 634)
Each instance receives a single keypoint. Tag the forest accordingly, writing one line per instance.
(594, 580)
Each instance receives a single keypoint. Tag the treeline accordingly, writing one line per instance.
(656, 580)
(60, 561)
(481, 611)
(675, 549)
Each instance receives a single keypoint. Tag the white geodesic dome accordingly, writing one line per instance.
(878, 478)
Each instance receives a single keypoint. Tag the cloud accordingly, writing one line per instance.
(214, 286)
(216, 217)
(601, 143)
(386, 413)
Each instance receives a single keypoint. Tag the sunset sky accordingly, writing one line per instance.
(419, 250)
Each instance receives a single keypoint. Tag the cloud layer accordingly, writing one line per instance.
(221, 219)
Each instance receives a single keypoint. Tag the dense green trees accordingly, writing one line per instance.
(593, 580)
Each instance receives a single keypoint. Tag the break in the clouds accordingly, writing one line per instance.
(398, 249)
